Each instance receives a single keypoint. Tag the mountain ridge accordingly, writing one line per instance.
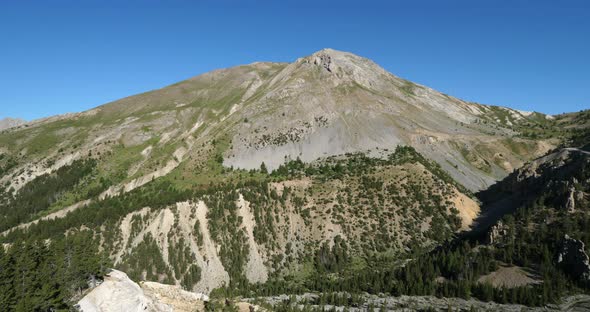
(323, 119)
(8, 122)
(302, 176)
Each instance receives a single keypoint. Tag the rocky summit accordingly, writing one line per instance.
(324, 183)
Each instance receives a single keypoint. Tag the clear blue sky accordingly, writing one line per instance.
(70, 56)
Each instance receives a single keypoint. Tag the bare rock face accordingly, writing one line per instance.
(574, 198)
(570, 204)
(497, 233)
(323, 60)
(119, 293)
(573, 258)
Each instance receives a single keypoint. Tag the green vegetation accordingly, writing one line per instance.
(453, 269)
(532, 236)
(43, 276)
(577, 127)
(37, 196)
(341, 226)
(370, 195)
(379, 205)
(408, 88)
(225, 229)
(571, 129)
(7, 162)
(145, 262)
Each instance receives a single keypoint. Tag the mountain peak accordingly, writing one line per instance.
(341, 67)
(330, 51)
(331, 59)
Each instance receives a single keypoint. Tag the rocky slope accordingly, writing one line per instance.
(119, 293)
(560, 178)
(7, 123)
(334, 102)
(579, 303)
(325, 104)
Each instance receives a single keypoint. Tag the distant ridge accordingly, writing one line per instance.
(8, 123)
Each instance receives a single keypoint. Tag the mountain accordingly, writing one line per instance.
(325, 104)
(8, 123)
(257, 179)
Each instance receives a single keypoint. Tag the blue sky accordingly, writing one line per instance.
(66, 56)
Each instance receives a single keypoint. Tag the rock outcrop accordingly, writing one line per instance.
(573, 258)
(574, 198)
(496, 233)
(119, 293)
(570, 204)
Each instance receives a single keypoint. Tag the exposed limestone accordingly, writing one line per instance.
(213, 273)
(125, 228)
(496, 233)
(248, 307)
(119, 293)
(361, 105)
(280, 186)
(180, 300)
(135, 183)
(329, 103)
(574, 197)
(256, 271)
(570, 204)
(553, 173)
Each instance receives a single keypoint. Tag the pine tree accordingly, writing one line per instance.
(263, 168)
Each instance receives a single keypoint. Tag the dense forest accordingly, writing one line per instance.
(37, 275)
